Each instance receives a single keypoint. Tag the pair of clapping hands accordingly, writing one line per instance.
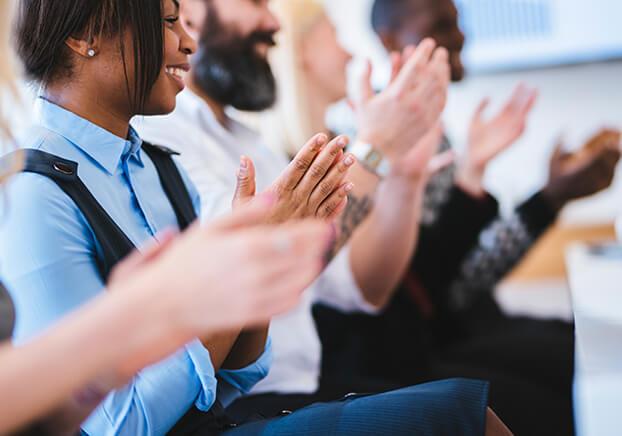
(255, 263)
(572, 175)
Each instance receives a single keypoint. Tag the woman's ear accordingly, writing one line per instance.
(82, 47)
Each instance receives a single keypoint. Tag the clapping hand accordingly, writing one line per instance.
(587, 171)
(312, 186)
(490, 137)
(397, 119)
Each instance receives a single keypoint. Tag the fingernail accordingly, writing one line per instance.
(342, 142)
(243, 171)
(321, 139)
(349, 160)
(349, 187)
(243, 162)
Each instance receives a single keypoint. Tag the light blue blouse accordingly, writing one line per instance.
(48, 262)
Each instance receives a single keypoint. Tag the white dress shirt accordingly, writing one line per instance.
(211, 154)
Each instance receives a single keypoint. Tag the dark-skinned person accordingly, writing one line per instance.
(444, 321)
(231, 72)
(50, 383)
(99, 64)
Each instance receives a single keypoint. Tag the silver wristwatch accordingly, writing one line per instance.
(370, 158)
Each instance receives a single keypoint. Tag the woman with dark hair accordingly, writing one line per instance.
(93, 60)
(99, 63)
(140, 321)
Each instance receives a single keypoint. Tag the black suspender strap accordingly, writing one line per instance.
(114, 242)
(173, 183)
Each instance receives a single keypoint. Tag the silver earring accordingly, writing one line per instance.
(91, 53)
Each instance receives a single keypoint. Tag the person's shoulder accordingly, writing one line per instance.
(29, 192)
(37, 194)
(40, 138)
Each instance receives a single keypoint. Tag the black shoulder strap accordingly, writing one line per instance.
(113, 241)
(173, 183)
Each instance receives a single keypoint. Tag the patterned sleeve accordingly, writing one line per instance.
(501, 246)
(438, 190)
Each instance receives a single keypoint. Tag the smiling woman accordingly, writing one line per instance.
(98, 64)
(48, 56)
(68, 359)
(125, 70)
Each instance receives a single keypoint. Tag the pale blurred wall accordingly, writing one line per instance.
(574, 101)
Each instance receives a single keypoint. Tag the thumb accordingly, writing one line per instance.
(245, 187)
(440, 162)
(419, 158)
(396, 65)
(367, 91)
(560, 149)
(252, 213)
(481, 108)
(559, 155)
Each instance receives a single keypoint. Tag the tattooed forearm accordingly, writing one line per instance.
(356, 211)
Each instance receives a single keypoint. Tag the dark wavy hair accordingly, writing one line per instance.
(43, 26)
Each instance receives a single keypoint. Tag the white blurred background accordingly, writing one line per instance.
(548, 49)
(571, 50)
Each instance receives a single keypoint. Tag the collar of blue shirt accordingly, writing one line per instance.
(103, 147)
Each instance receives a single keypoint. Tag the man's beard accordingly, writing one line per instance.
(229, 70)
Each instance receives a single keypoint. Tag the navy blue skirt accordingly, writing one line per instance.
(447, 407)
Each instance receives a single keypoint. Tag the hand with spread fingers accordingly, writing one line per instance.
(490, 137)
(314, 184)
(396, 119)
(585, 172)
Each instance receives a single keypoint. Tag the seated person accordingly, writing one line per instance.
(59, 372)
(93, 82)
(374, 350)
(232, 71)
(445, 311)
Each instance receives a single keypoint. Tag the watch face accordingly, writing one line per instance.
(373, 159)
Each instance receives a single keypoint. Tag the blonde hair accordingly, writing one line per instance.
(8, 90)
(288, 125)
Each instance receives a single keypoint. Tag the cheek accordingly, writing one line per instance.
(171, 46)
(163, 97)
(337, 65)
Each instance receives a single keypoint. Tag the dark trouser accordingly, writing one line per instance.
(270, 405)
(528, 362)
(448, 407)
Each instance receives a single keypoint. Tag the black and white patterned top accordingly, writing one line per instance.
(501, 245)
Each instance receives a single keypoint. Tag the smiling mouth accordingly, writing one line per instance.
(176, 72)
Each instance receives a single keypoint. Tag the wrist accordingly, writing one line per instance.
(403, 185)
(150, 321)
(371, 157)
(554, 197)
(471, 180)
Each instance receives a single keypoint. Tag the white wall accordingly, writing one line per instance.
(574, 101)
